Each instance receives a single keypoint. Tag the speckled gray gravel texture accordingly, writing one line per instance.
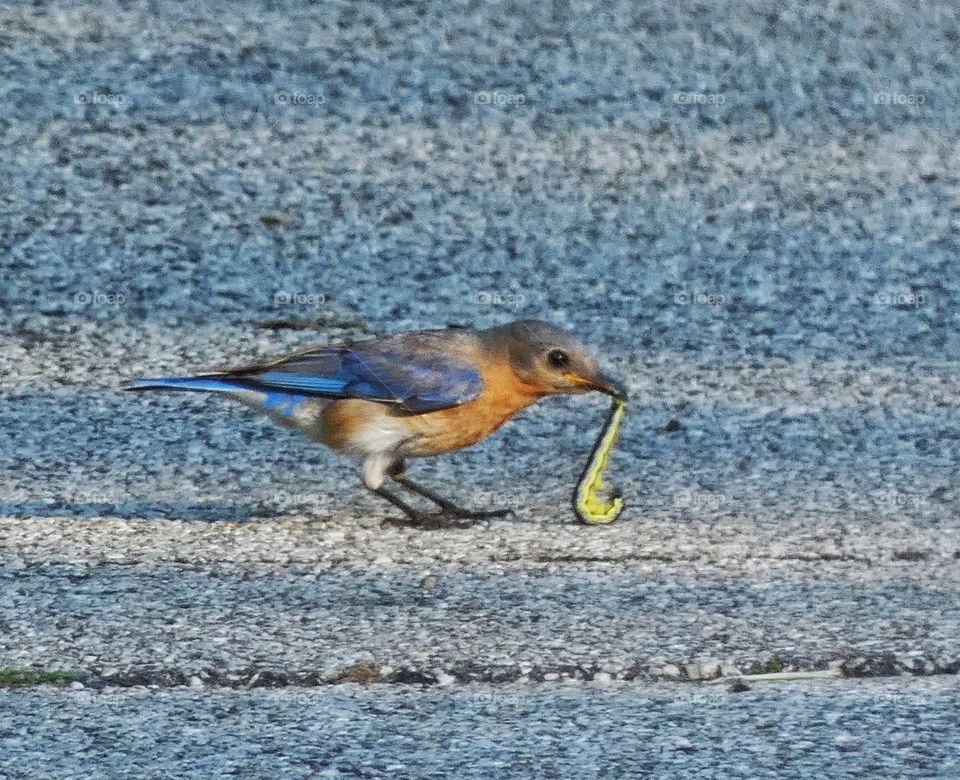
(751, 211)
(838, 730)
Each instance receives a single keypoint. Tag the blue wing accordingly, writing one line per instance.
(416, 376)
(417, 382)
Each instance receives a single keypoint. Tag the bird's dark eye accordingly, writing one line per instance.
(558, 358)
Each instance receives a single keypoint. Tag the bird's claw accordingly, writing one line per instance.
(435, 521)
(488, 514)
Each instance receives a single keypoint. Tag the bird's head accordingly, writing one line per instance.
(554, 361)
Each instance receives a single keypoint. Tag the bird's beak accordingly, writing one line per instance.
(610, 386)
(604, 383)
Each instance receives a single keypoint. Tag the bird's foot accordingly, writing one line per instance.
(485, 514)
(430, 521)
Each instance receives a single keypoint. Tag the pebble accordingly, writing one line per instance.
(668, 672)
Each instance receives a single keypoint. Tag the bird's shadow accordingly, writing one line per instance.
(141, 509)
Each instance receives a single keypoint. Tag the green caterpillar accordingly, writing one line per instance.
(594, 501)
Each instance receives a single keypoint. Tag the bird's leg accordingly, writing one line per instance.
(402, 505)
(449, 506)
(396, 473)
(423, 519)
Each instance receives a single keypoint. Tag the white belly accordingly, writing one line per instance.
(379, 435)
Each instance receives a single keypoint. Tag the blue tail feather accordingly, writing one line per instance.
(320, 385)
(198, 383)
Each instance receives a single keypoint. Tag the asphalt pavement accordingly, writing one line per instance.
(751, 212)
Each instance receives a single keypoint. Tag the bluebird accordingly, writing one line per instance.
(409, 395)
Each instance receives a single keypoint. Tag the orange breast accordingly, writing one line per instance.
(503, 397)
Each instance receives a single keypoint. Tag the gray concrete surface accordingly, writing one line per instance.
(841, 729)
(751, 211)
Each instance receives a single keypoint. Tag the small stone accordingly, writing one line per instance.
(444, 679)
(196, 683)
(774, 665)
(707, 669)
(738, 686)
(730, 670)
(669, 672)
(710, 668)
(429, 582)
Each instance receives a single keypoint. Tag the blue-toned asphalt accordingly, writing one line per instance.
(750, 211)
